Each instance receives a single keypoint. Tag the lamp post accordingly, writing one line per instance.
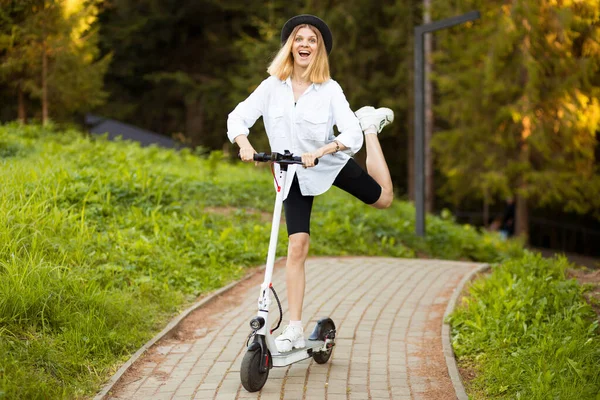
(420, 32)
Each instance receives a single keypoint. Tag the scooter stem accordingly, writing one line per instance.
(275, 226)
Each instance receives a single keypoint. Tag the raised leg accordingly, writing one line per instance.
(378, 169)
(372, 121)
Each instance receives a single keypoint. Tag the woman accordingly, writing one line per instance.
(300, 103)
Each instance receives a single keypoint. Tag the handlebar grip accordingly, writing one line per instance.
(262, 157)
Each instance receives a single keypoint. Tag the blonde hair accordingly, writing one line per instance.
(282, 65)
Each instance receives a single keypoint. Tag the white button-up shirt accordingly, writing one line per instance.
(301, 128)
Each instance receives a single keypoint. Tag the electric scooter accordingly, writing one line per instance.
(261, 354)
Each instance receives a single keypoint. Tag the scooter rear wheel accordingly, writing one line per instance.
(322, 357)
(252, 379)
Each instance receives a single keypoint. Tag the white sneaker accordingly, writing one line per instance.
(291, 338)
(379, 117)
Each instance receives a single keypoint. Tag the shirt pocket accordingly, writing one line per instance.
(276, 121)
(314, 124)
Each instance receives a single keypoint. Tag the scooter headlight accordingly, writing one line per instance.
(257, 322)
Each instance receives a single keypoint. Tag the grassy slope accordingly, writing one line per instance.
(101, 243)
(528, 334)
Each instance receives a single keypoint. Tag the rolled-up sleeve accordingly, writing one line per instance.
(350, 135)
(243, 117)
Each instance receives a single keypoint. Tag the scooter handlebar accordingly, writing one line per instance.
(285, 158)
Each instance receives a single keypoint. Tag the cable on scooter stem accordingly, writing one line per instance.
(280, 310)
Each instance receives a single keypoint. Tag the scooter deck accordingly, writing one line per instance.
(295, 355)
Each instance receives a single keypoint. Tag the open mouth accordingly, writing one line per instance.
(304, 53)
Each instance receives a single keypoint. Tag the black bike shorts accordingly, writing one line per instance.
(352, 179)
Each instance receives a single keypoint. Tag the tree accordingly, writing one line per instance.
(172, 64)
(49, 51)
(520, 104)
(76, 76)
(17, 63)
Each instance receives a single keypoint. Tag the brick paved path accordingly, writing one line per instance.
(388, 314)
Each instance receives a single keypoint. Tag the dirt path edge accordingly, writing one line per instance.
(459, 388)
(171, 326)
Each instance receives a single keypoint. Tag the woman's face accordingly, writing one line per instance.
(304, 48)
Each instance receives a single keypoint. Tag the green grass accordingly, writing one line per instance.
(101, 243)
(528, 334)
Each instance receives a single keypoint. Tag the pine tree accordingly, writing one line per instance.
(49, 52)
(173, 62)
(76, 77)
(516, 91)
(17, 63)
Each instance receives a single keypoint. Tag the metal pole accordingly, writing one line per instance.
(419, 134)
(420, 32)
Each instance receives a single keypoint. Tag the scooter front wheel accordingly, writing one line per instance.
(252, 379)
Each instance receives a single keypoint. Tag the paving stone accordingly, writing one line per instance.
(271, 396)
(292, 395)
(204, 395)
(380, 394)
(185, 391)
(317, 396)
(378, 378)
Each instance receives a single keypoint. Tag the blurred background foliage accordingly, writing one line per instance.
(515, 93)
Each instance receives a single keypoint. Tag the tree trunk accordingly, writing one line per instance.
(522, 218)
(429, 190)
(486, 210)
(522, 223)
(44, 83)
(194, 122)
(21, 107)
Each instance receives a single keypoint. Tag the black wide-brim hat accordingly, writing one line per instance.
(308, 19)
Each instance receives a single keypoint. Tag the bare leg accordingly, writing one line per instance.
(295, 280)
(378, 169)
